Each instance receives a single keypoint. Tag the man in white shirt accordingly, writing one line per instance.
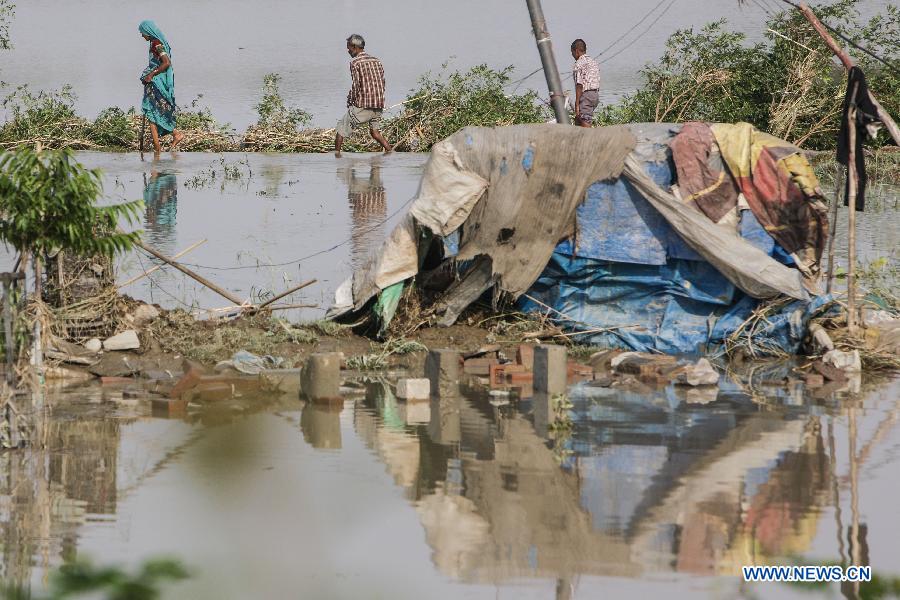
(587, 84)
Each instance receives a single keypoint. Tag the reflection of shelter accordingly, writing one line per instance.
(161, 200)
(368, 210)
(46, 493)
(655, 484)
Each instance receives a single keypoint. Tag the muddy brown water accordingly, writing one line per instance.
(658, 492)
(662, 492)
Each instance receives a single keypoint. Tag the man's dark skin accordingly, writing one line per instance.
(578, 52)
(353, 51)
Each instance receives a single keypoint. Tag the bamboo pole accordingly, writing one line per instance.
(853, 180)
(287, 293)
(158, 267)
(838, 188)
(206, 282)
(883, 115)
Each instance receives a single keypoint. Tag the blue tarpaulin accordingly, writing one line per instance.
(626, 272)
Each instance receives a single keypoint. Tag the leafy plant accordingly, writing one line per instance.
(787, 85)
(272, 110)
(113, 128)
(7, 10)
(45, 117)
(48, 200)
(110, 583)
(445, 102)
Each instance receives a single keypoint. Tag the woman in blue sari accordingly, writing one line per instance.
(159, 86)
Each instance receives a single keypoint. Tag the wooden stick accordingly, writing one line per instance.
(883, 115)
(838, 188)
(206, 282)
(158, 267)
(287, 293)
(851, 217)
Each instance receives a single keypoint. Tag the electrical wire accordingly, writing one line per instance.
(371, 228)
(635, 40)
(518, 82)
(850, 42)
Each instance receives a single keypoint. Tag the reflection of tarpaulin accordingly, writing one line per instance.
(584, 219)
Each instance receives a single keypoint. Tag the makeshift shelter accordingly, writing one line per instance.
(652, 237)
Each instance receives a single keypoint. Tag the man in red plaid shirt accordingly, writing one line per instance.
(365, 102)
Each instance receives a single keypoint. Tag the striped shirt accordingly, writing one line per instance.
(367, 89)
(587, 73)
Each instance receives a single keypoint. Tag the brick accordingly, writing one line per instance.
(321, 377)
(188, 381)
(519, 378)
(213, 392)
(499, 373)
(167, 408)
(479, 366)
(241, 383)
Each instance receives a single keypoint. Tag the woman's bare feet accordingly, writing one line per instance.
(177, 136)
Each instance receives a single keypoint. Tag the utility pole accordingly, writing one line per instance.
(548, 61)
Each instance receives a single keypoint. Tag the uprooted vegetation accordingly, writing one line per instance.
(787, 85)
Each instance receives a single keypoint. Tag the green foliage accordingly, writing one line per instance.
(787, 85)
(444, 103)
(45, 117)
(272, 110)
(7, 11)
(113, 128)
(48, 201)
(109, 583)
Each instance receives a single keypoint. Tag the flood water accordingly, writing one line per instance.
(662, 492)
(223, 48)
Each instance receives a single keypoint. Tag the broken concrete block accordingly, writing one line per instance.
(829, 372)
(442, 370)
(845, 361)
(166, 408)
(418, 412)
(700, 373)
(642, 364)
(321, 376)
(525, 356)
(414, 389)
(66, 374)
(127, 340)
(821, 341)
(550, 369)
(814, 380)
(601, 361)
(144, 314)
(115, 380)
(93, 345)
(287, 381)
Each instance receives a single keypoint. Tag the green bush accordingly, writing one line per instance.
(273, 112)
(45, 117)
(113, 128)
(787, 85)
(444, 103)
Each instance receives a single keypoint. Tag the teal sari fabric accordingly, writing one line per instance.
(159, 95)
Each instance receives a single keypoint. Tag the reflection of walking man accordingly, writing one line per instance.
(368, 209)
(365, 102)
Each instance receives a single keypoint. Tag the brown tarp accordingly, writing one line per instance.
(702, 176)
(538, 175)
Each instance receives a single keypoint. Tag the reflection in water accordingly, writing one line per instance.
(161, 200)
(368, 208)
(650, 482)
(643, 483)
